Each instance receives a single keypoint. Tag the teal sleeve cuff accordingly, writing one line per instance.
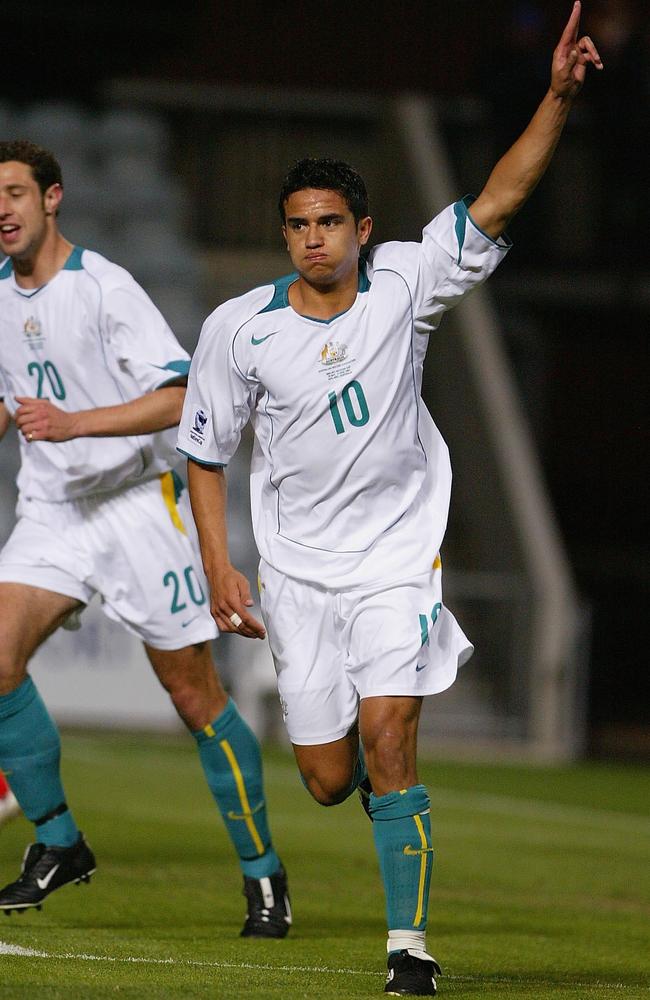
(462, 213)
(201, 461)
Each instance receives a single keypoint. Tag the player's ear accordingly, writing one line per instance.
(364, 228)
(52, 199)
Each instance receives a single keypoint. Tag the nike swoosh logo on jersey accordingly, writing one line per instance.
(189, 621)
(255, 340)
(43, 883)
(419, 668)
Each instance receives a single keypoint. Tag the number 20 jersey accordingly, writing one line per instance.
(350, 478)
(89, 338)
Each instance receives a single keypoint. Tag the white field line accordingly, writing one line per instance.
(17, 950)
(9, 949)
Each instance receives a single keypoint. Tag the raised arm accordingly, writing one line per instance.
(41, 420)
(229, 589)
(518, 172)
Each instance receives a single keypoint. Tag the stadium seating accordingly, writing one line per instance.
(120, 198)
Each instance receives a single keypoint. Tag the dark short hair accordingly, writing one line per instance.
(45, 167)
(328, 175)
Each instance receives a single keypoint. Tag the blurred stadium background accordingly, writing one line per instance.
(174, 129)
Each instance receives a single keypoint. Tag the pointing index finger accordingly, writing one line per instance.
(570, 33)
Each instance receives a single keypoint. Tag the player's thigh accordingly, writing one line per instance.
(42, 575)
(319, 705)
(29, 616)
(148, 569)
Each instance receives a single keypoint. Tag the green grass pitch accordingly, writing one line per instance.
(541, 886)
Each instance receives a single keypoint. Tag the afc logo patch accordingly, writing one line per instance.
(197, 431)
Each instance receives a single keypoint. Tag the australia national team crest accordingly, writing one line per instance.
(198, 428)
(334, 359)
(333, 352)
(33, 332)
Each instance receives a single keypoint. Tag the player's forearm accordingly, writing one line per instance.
(5, 420)
(518, 172)
(230, 595)
(156, 411)
(208, 497)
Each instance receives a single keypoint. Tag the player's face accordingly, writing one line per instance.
(24, 210)
(322, 237)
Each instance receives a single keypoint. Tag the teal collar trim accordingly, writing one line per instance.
(323, 322)
(280, 298)
(73, 263)
(364, 280)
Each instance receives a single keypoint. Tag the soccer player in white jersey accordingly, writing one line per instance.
(350, 484)
(94, 379)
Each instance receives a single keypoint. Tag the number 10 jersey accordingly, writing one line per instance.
(350, 478)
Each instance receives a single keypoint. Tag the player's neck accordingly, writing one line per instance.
(47, 260)
(323, 301)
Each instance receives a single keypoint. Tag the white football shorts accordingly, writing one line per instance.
(333, 648)
(135, 547)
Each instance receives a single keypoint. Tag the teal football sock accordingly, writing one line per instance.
(402, 832)
(30, 752)
(232, 763)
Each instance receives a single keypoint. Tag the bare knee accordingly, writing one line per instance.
(327, 769)
(190, 678)
(389, 734)
(29, 615)
(13, 666)
(390, 759)
(190, 700)
(326, 790)
(12, 674)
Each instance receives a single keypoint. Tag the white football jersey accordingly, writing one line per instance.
(90, 337)
(350, 478)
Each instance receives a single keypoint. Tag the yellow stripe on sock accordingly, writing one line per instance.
(423, 871)
(243, 797)
(169, 496)
(209, 731)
